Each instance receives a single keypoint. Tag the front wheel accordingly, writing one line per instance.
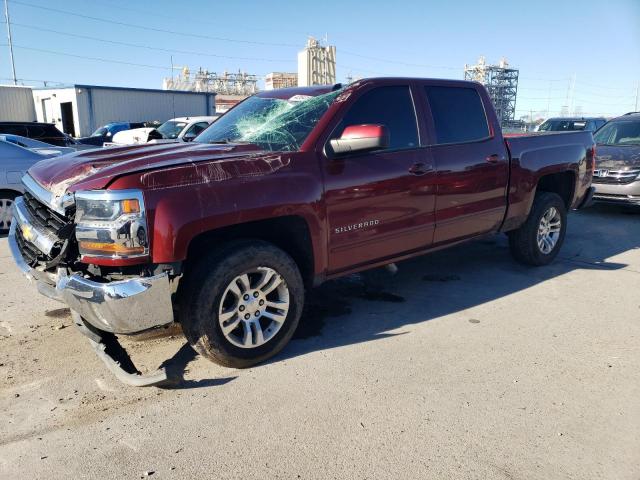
(539, 239)
(242, 305)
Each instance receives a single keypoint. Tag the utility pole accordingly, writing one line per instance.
(572, 104)
(637, 94)
(6, 16)
(548, 99)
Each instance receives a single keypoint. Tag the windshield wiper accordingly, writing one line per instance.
(226, 141)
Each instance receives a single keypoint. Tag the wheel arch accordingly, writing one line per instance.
(563, 183)
(290, 233)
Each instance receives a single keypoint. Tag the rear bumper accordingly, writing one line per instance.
(614, 193)
(127, 306)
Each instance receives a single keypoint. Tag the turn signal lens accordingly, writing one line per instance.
(130, 206)
(89, 248)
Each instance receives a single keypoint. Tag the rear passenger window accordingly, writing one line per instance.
(388, 106)
(458, 114)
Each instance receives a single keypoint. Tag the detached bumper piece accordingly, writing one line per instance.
(126, 306)
(116, 358)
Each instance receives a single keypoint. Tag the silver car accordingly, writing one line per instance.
(14, 162)
(617, 174)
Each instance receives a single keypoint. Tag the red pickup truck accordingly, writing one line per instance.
(289, 188)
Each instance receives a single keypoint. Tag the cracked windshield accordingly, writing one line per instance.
(271, 123)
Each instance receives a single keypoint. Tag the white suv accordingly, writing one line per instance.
(182, 129)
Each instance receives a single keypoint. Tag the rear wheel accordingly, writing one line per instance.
(242, 305)
(539, 239)
(6, 209)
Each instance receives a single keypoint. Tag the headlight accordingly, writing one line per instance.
(111, 223)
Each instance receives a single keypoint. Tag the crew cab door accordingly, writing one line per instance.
(379, 204)
(471, 161)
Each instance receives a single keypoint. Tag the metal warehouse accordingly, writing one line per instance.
(81, 109)
(16, 104)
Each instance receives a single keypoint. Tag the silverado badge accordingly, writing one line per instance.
(356, 226)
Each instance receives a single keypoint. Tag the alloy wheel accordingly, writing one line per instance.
(254, 307)
(549, 230)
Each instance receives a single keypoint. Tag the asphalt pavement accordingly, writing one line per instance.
(464, 365)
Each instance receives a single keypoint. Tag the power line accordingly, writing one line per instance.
(147, 47)
(242, 41)
(98, 59)
(152, 29)
(192, 19)
(38, 80)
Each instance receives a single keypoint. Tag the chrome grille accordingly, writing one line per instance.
(46, 217)
(29, 252)
(51, 228)
(603, 175)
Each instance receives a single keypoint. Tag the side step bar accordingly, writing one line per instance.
(116, 358)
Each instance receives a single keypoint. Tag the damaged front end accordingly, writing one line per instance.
(53, 240)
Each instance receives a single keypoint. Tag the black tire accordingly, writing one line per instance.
(6, 199)
(523, 241)
(205, 286)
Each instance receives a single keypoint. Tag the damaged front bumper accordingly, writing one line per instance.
(126, 306)
(105, 309)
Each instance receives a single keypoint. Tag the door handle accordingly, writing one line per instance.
(495, 158)
(419, 169)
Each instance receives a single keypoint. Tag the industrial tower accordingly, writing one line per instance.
(502, 84)
(240, 83)
(316, 64)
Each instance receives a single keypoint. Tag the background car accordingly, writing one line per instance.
(183, 129)
(567, 124)
(106, 132)
(14, 163)
(45, 132)
(37, 145)
(617, 173)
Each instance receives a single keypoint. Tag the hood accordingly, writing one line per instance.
(614, 157)
(101, 166)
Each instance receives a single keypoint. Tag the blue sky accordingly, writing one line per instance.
(551, 42)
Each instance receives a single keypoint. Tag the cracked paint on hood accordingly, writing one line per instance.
(96, 169)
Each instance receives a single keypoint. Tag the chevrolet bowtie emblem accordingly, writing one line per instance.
(27, 232)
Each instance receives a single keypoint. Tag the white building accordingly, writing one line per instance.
(81, 109)
(316, 64)
(16, 104)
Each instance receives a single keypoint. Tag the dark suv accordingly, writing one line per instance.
(45, 132)
(617, 173)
